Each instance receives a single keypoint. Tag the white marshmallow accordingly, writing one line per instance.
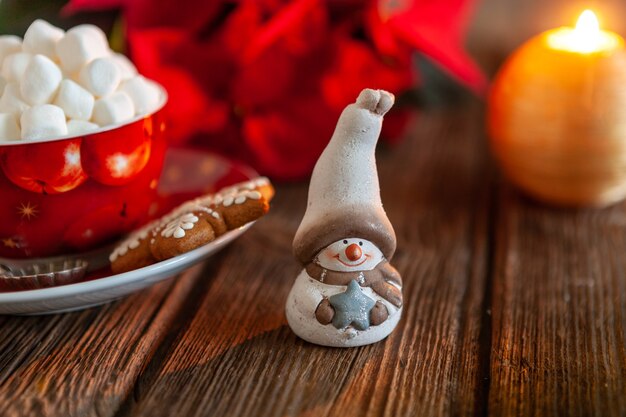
(45, 121)
(77, 127)
(144, 93)
(9, 44)
(81, 45)
(11, 100)
(127, 68)
(101, 76)
(116, 108)
(41, 38)
(9, 130)
(96, 33)
(32, 76)
(76, 102)
(14, 65)
(40, 81)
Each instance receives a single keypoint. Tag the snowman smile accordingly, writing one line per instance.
(349, 255)
(365, 258)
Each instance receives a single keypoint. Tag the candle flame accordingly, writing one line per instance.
(587, 34)
(585, 38)
(587, 25)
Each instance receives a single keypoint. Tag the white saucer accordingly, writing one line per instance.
(103, 290)
(106, 289)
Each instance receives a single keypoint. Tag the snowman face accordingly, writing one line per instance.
(350, 254)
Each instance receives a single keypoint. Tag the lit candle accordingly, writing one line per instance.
(557, 115)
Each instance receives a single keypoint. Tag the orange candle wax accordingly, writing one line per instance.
(557, 115)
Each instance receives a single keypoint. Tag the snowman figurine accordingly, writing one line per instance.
(347, 294)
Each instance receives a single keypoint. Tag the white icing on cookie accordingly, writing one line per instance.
(117, 252)
(133, 241)
(208, 211)
(198, 204)
(205, 200)
(243, 196)
(238, 198)
(228, 201)
(254, 195)
(245, 186)
(194, 206)
(261, 181)
(180, 210)
(176, 228)
(213, 213)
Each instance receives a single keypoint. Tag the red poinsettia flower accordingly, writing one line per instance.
(435, 28)
(265, 80)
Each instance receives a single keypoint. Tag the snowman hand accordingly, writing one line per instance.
(324, 312)
(378, 314)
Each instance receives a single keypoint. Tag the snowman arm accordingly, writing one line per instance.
(324, 312)
(388, 291)
(391, 274)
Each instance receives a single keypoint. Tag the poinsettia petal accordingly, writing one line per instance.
(190, 106)
(264, 81)
(396, 124)
(239, 27)
(286, 141)
(193, 15)
(282, 25)
(449, 55)
(381, 34)
(356, 66)
(435, 29)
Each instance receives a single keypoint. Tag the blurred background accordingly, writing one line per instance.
(499, 26)
(496, 27)
(264, 82)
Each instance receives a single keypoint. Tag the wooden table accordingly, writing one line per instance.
(512, 308)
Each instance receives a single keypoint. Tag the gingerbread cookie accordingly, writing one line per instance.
(193, 227)
(240, 208)
(260, 184)
(193, 224)
(196, 225)
(134, 252)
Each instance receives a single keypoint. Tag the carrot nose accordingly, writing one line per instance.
(353, 252)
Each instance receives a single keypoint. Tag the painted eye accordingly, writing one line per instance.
(345, 242)
(360, 243)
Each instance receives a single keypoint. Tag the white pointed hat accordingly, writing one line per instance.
(344, 195)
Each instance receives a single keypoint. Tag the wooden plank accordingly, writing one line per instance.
(237, 356)
(85, 363)
(559, 316)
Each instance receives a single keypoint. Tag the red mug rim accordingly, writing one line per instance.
(162, 102)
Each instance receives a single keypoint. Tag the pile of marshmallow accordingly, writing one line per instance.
(56, 83)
